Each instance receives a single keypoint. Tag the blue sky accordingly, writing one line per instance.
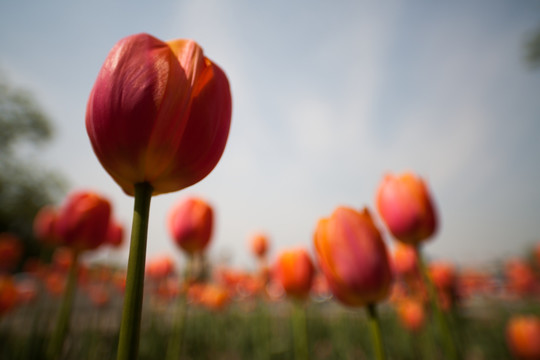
(327, 98)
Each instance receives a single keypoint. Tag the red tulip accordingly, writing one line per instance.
(522, 335)
(406, 207)
(8, 294)
(11, 250)
(190, 224)
(115, 234)
(353, 257)
(294, 271)
(259, 245)
(159, 113)
(83, 221)
(45, 226)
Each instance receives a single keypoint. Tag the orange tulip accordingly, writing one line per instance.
(520, 277)
(405, 260)
(83, 221)
(45, 226)
(522, 336)
(190, 224)
(160, 267)
(8, 294)
(406, 207)
(353, 257)
(259, 245)
(158, 113)
(294, 271)
(11, 250)
(411, 314)
(444, 278)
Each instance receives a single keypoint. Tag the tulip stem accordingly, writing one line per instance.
(128, 343)
(375, 328)
(444, 329)
(301, 351)
(174, 348)
(54, 349)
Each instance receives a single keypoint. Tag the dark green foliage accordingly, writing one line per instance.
(25, 185)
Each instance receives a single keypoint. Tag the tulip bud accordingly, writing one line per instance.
(115, 234)
(522, 334)
(353, 257)
(190, 224)
(294, 271)
(83, 221)
(411, 314)
(11, 251)
(8, 294)
(259, 245)
(405, 205)
(45, 226)
(158, 113)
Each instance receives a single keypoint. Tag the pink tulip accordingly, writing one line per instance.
(191, 224)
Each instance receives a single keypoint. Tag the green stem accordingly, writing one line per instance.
(375, 328)
(444, 328)
(174, 349)
(301, 351)
(128, 343)
(54, 349)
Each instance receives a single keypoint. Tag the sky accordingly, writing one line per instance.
(328, 97)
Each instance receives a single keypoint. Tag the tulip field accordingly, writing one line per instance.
(246, 323)
(158, 120)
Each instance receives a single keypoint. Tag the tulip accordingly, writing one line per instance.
(259, 245)
(354, 259)
(44, 226)
(115, 234)
(411, 314)
(522, 336)
(158, 118)
(444, 278)
(83, 221)
(159, 113)
(160, 267)
(8, 294)
(520, 277)
(11, 251)
(404, 260)
(190, 224)
(294, 270)
(406, 207)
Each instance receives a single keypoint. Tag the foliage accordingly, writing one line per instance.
(25, 185)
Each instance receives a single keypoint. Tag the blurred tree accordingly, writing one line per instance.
(533, 49)
(25, 185)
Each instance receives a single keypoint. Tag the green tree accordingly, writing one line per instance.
(533, 49)
(25, 185)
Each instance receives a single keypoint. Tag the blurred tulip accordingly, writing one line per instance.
(406, 207)
(523, 336)
(520, 277)
(8, 294)
(115, 234)
(294, 270)
(159, 113)
(353, 257)
(191, 224)
(11, 251)
(212, 296)
(45, 226)
(411, 314)
(98, 294)
(62, 258)
(405, 260)
(160, 267)
(259, 245)
(443, 275)
(83, 221)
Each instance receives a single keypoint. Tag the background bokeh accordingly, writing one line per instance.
(327, 97)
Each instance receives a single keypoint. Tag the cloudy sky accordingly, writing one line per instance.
(327, 98)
